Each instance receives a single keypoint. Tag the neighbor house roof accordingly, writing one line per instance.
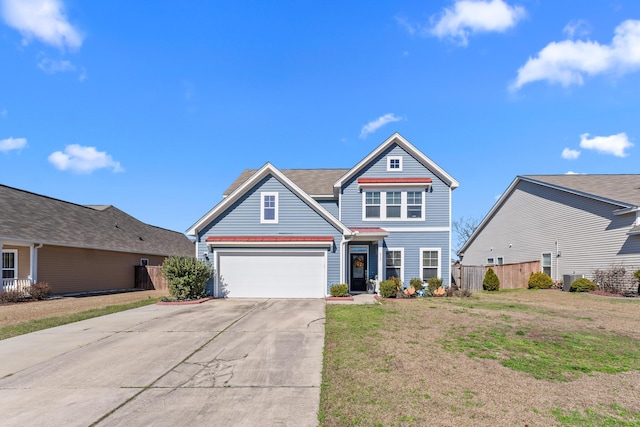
(31, 217)
(314, 182)
(624, 189)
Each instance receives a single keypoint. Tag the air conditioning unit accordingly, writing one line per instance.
(568, 279)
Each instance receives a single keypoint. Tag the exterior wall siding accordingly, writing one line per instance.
(534, 217)
(24, 261)
(437, 197)
(295, 217)
(330, 205)
(412, 242)
(68, 270)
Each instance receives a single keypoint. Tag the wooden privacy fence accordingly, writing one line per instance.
(512, 276)
(150, 277)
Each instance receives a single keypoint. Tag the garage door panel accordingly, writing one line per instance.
(272, 274)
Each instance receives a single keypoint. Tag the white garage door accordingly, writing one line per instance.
(255, 274)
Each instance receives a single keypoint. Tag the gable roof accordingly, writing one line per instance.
(314, 182)
(396, 138)
(31, 217)
(248, 184)
(619, 190)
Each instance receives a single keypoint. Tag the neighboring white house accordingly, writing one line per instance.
(573, 224)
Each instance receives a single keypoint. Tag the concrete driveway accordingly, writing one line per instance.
(223, 362)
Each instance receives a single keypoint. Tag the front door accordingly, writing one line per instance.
(358, 273)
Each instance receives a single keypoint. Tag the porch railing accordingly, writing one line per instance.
(16, 285)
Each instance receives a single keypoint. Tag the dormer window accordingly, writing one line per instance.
(268, 208)
(394, 163)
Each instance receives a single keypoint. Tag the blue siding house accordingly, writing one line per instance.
(293, 233)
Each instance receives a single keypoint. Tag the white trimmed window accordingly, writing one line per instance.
(372, 204)
(269, 208)
(394, 163)
(500, 260)
(394, 261)
(396, 205)
(491, 261)
(430, 263)
(10, 264)
(546, 263)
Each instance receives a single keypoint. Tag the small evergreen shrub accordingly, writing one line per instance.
(417, 284)
(433, 284)
(40, 290)
(540, 280)
(187, 277)
(388, 288)
(341, 290)
(491, 282)
(583, 285)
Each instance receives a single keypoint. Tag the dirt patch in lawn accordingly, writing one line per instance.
(11, 314)
(494, 359)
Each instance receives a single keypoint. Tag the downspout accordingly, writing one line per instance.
(34, 262)
(343, 245)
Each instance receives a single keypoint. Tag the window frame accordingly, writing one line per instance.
(15, 263)
(366, 205)
(500, 260)
(550, 266)
(422, 267)
(403, 204)
(491, 261)
(263, 220)
(392, 205)
(401, 250)
(391, 160)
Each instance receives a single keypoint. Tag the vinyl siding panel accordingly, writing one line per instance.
(295, 218)
(24, 262)
(330, 205)
(412, 242)
(69, 270)
(437, 198)
(534, 217)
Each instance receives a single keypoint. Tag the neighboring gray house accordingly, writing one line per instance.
(294, 233)
(573, 224)
(76, 248)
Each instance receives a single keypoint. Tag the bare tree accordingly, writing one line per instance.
(463, 228)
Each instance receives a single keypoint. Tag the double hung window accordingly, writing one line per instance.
(430, 263)
(394, 204)
(372, 204)
(269, 208)
(9, 264)
(393, 264)
(397, 205)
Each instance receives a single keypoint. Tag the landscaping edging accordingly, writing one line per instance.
(193, 301)
(349, 298)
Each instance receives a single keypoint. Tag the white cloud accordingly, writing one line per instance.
(580, 28)
(3, 113)
(613, 144)
(52, 66)
(566, 62)
(41, 19)
(570, 154)
(476, 16)
(83, 159)
(376, 124)
(573, 173)
(10, 144)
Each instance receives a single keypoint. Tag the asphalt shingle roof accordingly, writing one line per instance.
(41, 219)
(620, 188)
(312, 181)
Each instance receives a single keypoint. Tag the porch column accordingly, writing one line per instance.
(380, 264)
(33, 263)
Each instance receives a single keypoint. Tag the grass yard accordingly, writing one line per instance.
(514, 358)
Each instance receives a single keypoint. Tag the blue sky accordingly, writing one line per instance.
(157, 107)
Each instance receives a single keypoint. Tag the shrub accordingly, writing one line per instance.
(460, 293)
(583, 285)
(187, 276)
(433, 284)
(491, 281)
(614, 279)
(11, 296)
(40, 290)
(540, 280)
(388, 288)
(417, 284)
(636, 275)
(341, 290)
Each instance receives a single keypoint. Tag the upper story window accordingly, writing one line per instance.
(394, 205)
(394, 163)
(269, 208)
(372, 204)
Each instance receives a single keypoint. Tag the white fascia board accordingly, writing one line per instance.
(399, 139)
(314, 244)
(627, 211)
(384, 185)
(265, 170)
